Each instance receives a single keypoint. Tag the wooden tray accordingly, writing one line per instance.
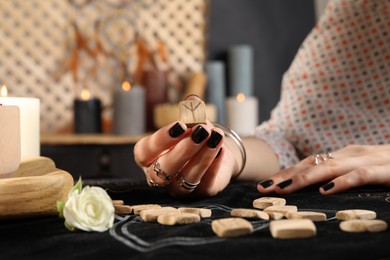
(33, 189)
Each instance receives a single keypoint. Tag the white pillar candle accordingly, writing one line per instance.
(9, 139)
(242, 114)
(29, 122)
(129, 110)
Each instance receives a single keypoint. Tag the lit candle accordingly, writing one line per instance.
(87, 114)
(242, 114)
(129, 110)
(29, 122)
(9, 139)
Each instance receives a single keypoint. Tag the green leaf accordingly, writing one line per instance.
(78, 186)
(60, 207)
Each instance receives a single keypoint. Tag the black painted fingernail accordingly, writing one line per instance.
(219, 152)
(214, 139)
(284, 184)
(328, 186)
(266, 183)
(176, 130)
(199, 134)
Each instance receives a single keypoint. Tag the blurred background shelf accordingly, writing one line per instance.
(93, 156)
(88, 139)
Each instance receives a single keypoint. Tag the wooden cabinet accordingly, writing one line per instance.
(94, 156)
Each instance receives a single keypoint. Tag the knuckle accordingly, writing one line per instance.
(302, 178)
(358, 148)
(362, 174)
(139, 159)
(285, 174)
(332, 163)
(207, 190)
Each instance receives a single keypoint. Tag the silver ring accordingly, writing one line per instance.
(185, 184)
(160, 173)
(323, 157)
(154, 184)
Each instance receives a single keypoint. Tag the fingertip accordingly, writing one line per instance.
(176, 129)
(324, 192)
(219, 153)
(197, 127)
(260, 188)
(219, 130)
(265, 186)
(327, 188)
(200, 133)
(182, 124)
(192, 97)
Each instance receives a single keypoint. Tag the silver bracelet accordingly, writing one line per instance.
(237, 140)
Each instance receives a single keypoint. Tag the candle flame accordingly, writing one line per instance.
(126, 86)
(85, 94)
(240, 97)
(4, 91)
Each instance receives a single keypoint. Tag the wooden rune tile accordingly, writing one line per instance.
(192, 112)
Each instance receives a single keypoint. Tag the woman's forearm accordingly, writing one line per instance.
(261, 161)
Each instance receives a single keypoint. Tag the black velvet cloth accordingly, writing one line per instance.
(47, 238)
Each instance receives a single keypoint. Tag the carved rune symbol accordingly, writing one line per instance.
(192, 109)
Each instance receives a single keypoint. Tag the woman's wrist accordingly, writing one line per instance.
(235, 145)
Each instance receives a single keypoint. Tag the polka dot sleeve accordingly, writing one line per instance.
(337, 89)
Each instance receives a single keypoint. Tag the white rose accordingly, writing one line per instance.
(91, 210)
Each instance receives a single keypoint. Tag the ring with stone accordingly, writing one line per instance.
(322, 157)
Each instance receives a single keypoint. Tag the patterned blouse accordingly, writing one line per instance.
(337, 90)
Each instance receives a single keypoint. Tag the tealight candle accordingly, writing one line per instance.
(10, 151)
(242, 114)
(87, 114)
(29, 122)
(129, 110)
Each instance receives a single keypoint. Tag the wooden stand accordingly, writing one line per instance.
(33, 189)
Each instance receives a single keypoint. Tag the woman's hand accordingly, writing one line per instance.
(350, 167)
(188, 161)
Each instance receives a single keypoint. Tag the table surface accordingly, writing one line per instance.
(88, 139)
(47, 238)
